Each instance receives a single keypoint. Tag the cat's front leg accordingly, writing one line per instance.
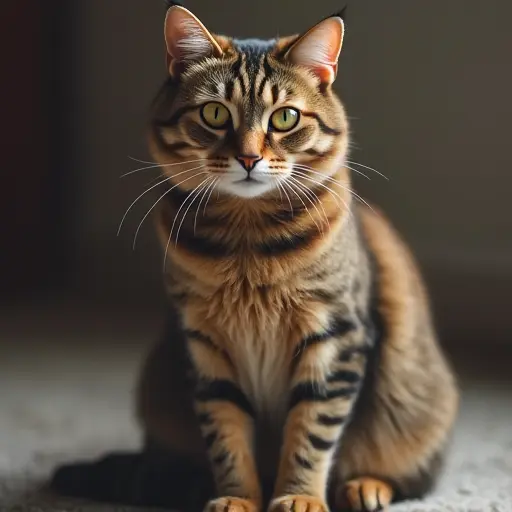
(226, 417)
(325, 385)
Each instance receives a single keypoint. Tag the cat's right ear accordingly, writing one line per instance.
(187, 40)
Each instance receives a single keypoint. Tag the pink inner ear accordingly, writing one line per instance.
(319, 49)
(186, 37)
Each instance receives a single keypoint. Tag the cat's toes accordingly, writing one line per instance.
(229, 504)
(298, 504)
(365, 495)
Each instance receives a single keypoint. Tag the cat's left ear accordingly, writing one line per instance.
(187, 40)
(319, 48)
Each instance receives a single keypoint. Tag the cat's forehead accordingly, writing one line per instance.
(245, 74)
(253, 49)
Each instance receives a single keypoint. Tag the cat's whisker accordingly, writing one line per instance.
(302, 174)
(139, 170)
(157, 201)
(330, 178)
(176, 216)
(156, 165)
(323, 176)
(306, 167)
(352, 162)
(205, 191)
(309, 193)
(142, 161)
(280, 182)
(276, 181)
(358, 172)
(200, 188)
(210, 195)
(290, 186)
(154, 180)
(149, 190)
(332, 192)
(348, 189)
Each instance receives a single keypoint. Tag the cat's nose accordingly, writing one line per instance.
(248, 162)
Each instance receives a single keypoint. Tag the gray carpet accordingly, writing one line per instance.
(62, 399)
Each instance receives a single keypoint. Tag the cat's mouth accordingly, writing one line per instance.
(247, 180)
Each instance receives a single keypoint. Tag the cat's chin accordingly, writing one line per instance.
(247, 189)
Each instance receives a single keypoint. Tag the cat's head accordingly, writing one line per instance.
(251, 117)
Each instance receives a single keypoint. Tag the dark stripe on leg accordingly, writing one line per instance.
(205, 418)
(220, 459)
(302, 462)
(311, 392)
(338, 328)
(330, 421)
(224, 391)
(210, 439)
(344, 376)
(320, 444)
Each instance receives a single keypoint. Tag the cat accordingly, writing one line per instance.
(301, 370)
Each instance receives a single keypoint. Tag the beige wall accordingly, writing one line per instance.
(429, 86)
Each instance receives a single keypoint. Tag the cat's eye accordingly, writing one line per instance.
(215, 115)
(284, 119)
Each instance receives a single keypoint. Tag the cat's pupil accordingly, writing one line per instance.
(285, 116)
(217, 113)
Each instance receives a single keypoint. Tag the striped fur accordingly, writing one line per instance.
(314, 363)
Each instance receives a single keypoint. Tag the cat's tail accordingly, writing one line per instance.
(137, 479)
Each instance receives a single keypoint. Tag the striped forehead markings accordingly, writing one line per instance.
(267, 72)
(237, 72)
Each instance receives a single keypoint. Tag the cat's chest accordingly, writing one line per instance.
(263, 372)
(261, 333)
(260, 330)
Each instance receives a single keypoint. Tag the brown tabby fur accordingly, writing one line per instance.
(309, 357)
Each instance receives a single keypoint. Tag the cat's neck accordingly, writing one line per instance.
(260, 241)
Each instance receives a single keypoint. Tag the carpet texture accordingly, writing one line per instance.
(60, 401)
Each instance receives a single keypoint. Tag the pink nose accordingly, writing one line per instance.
(248, 162)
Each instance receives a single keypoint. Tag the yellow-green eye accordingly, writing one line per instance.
(215, 115)
(284, 119)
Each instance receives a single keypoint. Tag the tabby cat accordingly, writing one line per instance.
(305, 373)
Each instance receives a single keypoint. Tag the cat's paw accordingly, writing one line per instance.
(298, 504)
(231, 504)
(364, 495)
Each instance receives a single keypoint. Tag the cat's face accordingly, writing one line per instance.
(250, 118)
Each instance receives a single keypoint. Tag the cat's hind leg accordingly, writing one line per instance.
(374, 494)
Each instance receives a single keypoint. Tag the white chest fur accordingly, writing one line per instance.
(263, 373)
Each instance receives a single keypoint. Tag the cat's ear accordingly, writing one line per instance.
(319, 48)
(187, 40)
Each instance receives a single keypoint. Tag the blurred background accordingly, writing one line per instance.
(428, 86)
